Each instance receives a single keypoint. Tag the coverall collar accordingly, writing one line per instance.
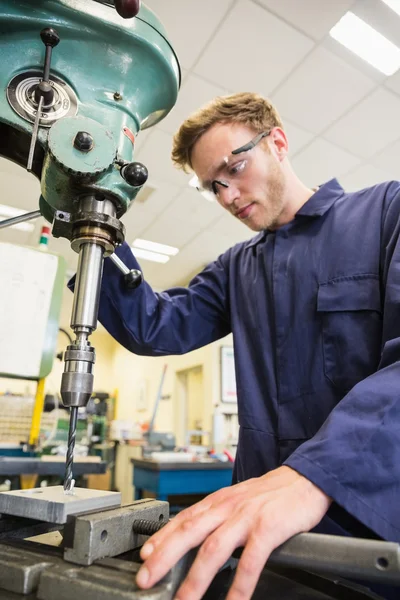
(322, 200)
(316, 206)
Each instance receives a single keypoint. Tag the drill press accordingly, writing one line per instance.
(83, 77)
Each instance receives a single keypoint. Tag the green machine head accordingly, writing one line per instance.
(80, 79)
(98, 80)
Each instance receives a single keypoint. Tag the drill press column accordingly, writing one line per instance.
(77, 379)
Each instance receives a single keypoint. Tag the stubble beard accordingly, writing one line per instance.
(274, 204)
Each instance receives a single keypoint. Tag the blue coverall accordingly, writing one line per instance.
(314, 309)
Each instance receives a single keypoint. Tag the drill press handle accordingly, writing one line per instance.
(44, 93)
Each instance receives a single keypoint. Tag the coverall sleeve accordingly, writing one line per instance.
(171, 322)
(355, 456)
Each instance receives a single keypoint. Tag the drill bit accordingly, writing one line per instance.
(68, 482)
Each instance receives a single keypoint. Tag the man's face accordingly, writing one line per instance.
(251, 184)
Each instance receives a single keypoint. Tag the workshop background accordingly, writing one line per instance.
(342, 117)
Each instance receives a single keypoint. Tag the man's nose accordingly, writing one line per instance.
(227, 195)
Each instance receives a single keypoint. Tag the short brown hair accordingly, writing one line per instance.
(247, 108)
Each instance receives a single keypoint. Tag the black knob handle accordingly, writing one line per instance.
(133, 279)
(50, 37)
(127, 8)
(135, 174)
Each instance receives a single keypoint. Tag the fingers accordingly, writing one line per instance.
(188, 534)
(231, 494)
(213, 554)
(251, 563)
(161, 536)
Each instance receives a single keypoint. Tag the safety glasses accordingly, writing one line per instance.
(230, 169)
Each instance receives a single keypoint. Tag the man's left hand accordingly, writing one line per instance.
(259, 514)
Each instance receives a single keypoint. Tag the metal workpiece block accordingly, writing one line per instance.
(53, 505)
(93, 536)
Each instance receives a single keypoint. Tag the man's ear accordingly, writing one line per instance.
(279, 143)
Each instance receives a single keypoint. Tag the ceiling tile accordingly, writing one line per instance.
(189, 24)
(151, 271)
(142, 214)
(207, 246)
(232, 229)
(353, 60)
(176, 271)
(388, 160)
(255, 57)
(191, 207)
(378, 14)
(202, 250)
(141, 139)
(194, 93)
(314, 17)
(393, 82)
(171, 231)
(156, 156)
(370, 126)
(306, 98)
(297, 137)
(363, 176)
(321, 161)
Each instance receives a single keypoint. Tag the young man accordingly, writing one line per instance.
(313, 302)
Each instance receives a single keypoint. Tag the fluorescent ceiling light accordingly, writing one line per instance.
(8, 212)
(393, 4)
(155, 247)
(147, 255)
(362, 39)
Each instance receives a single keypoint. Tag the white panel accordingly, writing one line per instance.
(232, 229)
(370, 126)
(321, 161)
(377, 14)
(189, 24)
(314, 17)
(393, 82)
(353, 60)
(151, 271)
(320, 90)
(18, 188)
(11, 168)
(205, 248)
(174, 272)
(156, 155)
(141, 139)
(364, 176)
(62, 247)
(253, 51)
(14, 236)
(195, 93)
(192, 207)
(172, 232)
(142, 215)
(297, 137)
(389, 160)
